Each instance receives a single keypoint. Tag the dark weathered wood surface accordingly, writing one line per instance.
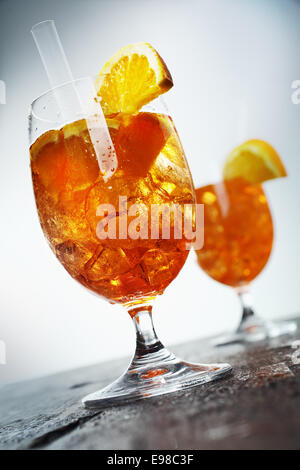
(258, 407)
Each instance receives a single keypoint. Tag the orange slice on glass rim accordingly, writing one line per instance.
(132, 77)
(255, 161)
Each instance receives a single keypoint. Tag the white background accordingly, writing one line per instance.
(233, 62)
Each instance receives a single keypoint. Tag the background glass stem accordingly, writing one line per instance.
(246, 303)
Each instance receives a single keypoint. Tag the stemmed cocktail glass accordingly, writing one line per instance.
(238, 229)
(96, 180)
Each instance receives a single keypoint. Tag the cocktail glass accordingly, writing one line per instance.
(88, 171)
(238, 239)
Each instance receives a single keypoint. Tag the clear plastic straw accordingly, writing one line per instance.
(70, 103)
(52, 53)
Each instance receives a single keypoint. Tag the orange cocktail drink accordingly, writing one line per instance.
(69, 188)
(238, 231)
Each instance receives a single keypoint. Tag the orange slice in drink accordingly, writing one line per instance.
(255, 161)
(48, 161)
(64, 160)
(50, 137)
(138, 142)
(133, 77)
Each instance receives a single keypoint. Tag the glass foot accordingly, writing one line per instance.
(254, 329)
(164, 374)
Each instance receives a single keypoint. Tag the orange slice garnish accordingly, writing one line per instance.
(255, 161)
(134, 76)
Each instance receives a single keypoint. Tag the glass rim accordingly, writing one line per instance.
(32, 113)
(81, 79)
(52, 90)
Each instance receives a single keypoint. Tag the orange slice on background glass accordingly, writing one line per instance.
(255, 161)
(133, 76)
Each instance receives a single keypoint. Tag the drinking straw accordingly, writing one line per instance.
(69, 100)
(52, 53)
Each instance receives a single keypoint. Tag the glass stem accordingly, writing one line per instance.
(148, 347)
(247, 306)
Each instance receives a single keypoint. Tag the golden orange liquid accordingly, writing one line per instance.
(238, 231)
(69, 187)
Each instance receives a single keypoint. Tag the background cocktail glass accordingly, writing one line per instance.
(238, 237)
